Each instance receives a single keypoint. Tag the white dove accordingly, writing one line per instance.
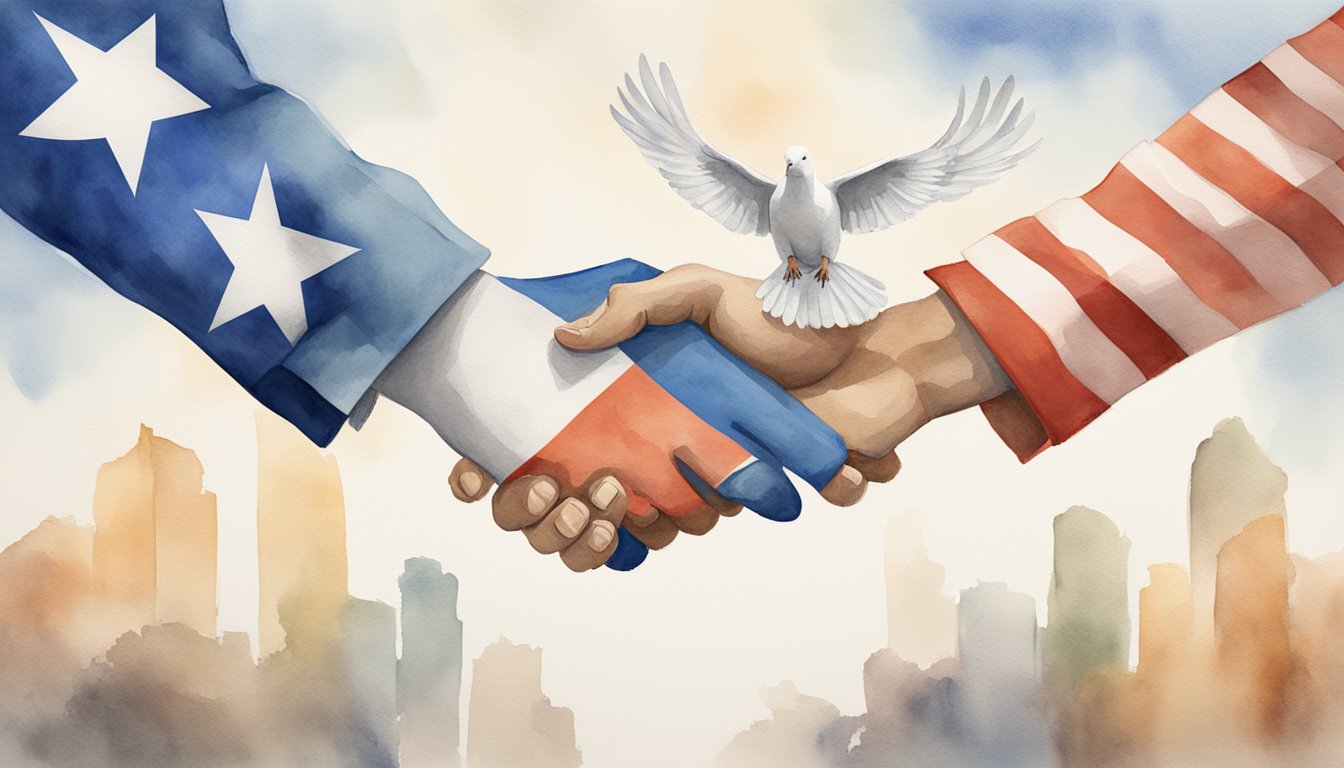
(804, 215)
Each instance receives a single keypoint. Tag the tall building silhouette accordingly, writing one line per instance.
(1088, 603)
(300, 535)
(154, 546)
(429, 675)
(1251, 620)
(921, 619)
(511, 722)
(369, 662)
(1232, 482)
(996, 648)
(1165, 616)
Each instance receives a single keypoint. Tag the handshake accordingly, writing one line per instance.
(618, 407)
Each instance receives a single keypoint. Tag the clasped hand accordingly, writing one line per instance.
(874, 384)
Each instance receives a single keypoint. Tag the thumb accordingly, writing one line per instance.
(682, 293)
(605, 326)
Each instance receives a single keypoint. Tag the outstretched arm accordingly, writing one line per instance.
(1234, 215)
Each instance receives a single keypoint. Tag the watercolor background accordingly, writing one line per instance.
(499, 109)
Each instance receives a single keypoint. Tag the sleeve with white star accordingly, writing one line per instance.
(135, 138)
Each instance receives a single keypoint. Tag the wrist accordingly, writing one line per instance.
(472, 372)
(949, 363)
(978, 375)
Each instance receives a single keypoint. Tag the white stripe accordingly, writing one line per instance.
(1295, 163)
(1091, 357)
(1239, 125)
(498, 409)
(1272, 258)
(1139, 272)
(1309, 83)
(1328, 189)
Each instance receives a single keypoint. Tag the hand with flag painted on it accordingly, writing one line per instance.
(875, 385)
(652, 427)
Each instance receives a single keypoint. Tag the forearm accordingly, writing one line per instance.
(1231, 216)
(911, 364)
(243, 221)
(950, 365)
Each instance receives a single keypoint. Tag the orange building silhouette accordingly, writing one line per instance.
(155, 557)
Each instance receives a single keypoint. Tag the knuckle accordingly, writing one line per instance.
(619, 293)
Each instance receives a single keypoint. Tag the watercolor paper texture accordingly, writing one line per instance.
(232, 226)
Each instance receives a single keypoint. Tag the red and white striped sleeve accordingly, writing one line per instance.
(1233, 215)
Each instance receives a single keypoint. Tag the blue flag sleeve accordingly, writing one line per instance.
(134, 137)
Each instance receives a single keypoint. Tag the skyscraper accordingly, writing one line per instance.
(1232, 482)
(301, 554)
(154, 546)
(1088, 604)
(429, 675)
(1164, 619)
(369, 660)
(511, 722)
(1251, 621)
(996, 647)
(921, 619)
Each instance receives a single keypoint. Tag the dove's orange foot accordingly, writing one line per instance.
(823, 275)
(792, 272)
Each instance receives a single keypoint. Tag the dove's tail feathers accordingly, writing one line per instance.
(848, 298)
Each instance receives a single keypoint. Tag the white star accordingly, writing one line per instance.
(270, 262)
(117, 95)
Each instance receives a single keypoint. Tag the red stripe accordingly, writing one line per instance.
(1123, 322)
(1323, 46)
(1234, 170)
(1060, 402)
(1260, 91)
(1215, 276)
(636, 422)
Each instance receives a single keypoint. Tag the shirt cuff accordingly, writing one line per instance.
(1048, 404)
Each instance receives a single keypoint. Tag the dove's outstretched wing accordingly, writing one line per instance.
(971, 153)
(736, 196)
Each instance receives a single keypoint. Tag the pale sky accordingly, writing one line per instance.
(500, 110)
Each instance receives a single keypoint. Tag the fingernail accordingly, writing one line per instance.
(601, 536)
(851, 474)
(572, 518)
(569, 330)
(605, 493)
(470, 482)
(540, 498)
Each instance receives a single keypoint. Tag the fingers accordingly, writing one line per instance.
(655, 531)
(850, 483)
(697, 523)
(469, 482)
(879, 470)
(682, 293)
(592, 549)
(560, 528)
(846, 488)
(583, 532)
(659, 534)
(523, 502)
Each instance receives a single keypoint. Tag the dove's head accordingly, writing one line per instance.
(797, 161)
